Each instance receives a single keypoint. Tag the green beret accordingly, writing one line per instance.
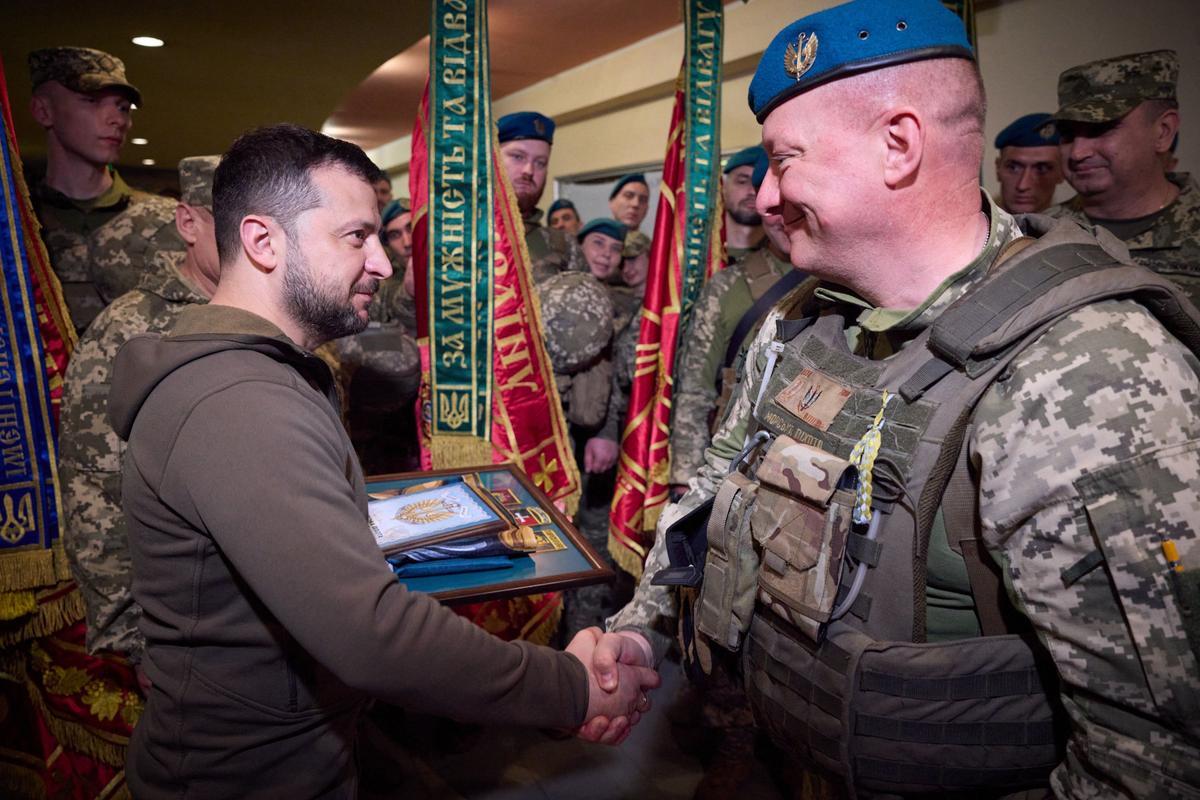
(852, 38)
(560, 204)
(392, 210)
(1108, 89)
(525, 125)
(609, 227)
(633, 177)
(743, 158)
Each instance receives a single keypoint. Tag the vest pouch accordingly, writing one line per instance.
(726, 601)
(801, 522)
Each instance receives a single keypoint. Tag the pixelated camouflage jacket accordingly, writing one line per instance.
(393, 303)
(722, 303)
(100, 249)
(551, 251)
(624, 357)
(1172, 246)
(90, 455)
(1087, 449)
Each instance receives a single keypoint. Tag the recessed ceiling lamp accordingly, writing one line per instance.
(139, 140)
(148, 41)
(147, 162)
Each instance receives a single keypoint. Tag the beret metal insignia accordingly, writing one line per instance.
(539, 127)
(799, 57)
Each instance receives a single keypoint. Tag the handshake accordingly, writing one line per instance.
(620, 673)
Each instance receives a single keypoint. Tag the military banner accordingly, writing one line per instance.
(686, 248)
(459, 234)
(526, 424)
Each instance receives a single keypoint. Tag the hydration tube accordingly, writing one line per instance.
(860, 572)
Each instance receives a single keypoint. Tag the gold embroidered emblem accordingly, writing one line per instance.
(429, 512)
(799, 57)
(17, 519)
(455, 410)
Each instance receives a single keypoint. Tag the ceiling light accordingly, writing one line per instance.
(147, 162)
(139, 140)
(148, 41)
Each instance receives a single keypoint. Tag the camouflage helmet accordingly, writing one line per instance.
(577, 317)
(636, 243)
(196, 179)
(80, 69)
(1108, 89)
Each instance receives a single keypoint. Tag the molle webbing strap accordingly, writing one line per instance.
(762, 304)
(1008, 683)
(986, 734)
(878, 769)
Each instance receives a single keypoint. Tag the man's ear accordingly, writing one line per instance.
(41, 109)
(185, 223)
(904, 140)
(1166, 126)
(261, 240)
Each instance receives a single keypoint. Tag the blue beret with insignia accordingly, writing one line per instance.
(609, 227)
(760, 170)
(633, 177)
(560, 204)
(526, 125)
(852, 38)
(743, 158)
(1031, 130)
(393, 210)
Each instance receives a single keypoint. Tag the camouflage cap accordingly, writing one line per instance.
(577, 317)
(636, 243)
(80, 69)
(1108, 89)
(196, 179)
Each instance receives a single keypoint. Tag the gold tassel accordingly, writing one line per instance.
(33, 567)
(451, 452)
(49, 617)
(14, 605)
(625, 558)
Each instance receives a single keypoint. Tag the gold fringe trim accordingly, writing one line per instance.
(22, 782)
(14, 605)
(50, 617)
(625, 558)
(33, 568)
(450, 452)
(76, 736)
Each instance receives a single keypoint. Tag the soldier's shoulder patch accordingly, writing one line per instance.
(814, 397)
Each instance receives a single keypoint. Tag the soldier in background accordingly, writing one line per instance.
(743, 225)
(629, 200)
(602, 242)
(102, 236)
(564, 216)
(394, 301)
(90, 453)
(1117, 119)
(1028, 165)
(383, 189)
(526, 138)
(726, 315)
(1074, 472)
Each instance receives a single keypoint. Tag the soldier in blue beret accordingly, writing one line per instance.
(564, 216)
(603, 241)
(1014, 409)
(525, 140)
(743, 225)
(1027, 165)
(629, 200)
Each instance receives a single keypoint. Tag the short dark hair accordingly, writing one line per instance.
(268, 171)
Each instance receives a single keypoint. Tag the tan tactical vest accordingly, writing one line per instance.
(830, 614)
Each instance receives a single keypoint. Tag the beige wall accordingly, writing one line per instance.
(613, 112)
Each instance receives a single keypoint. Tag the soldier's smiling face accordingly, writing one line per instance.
(88, 125)
(603, 254)
(1116, 157)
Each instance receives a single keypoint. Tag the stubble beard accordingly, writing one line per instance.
(317, 311)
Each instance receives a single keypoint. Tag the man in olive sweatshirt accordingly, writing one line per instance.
(270, 615)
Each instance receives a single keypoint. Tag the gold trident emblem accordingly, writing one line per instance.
(455, 411)
(799, 57)
(542, 476)
(18, 518)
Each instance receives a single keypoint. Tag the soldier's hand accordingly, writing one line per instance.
(612, 712)
(599, 455)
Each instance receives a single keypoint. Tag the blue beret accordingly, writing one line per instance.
(743, 158)
(760, 170)
(633, 177)
(560, 204)
(526, 125)
(1031, 130)
(392, 210)
(858, 36)
(608, 227)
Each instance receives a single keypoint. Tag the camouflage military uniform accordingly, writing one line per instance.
(101, 248)
(721, 305)
(577, 323)
(90, 454)
(551, 251)
(1125, 429)
(1170, 245)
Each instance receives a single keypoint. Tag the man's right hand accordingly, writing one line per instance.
(619, 676)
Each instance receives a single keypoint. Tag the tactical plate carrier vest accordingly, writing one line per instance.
(830, 614)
